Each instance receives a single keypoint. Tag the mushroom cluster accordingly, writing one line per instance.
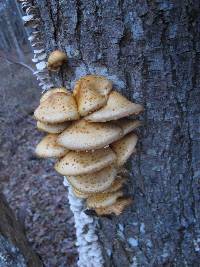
(90, 134)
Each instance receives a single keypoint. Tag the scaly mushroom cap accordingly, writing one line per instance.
(95, 182)
(56, 59)
(116, 208)
(117, 107)
(53, 91)
(80, 194)
(57, 108)
(128, 125)
(52, 128)
(115, 186)
(124, 148)
(100, 200)
(91, 93)
(83, 135)
(48, 148)
(79, 163)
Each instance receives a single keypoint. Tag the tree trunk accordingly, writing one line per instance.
(14, 248)
(150, 50)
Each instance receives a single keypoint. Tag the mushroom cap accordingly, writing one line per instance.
(57, 108)
(100, 200)
(128, 125)
(124, 147)
(79, 163)
(83, 135)
(115, 186)
(53, 91)
(116, 208)
(117, 107)
(95, 182)
(56, 59)
(80, 194)
(52, 128)
(48, 148)
(91, 93)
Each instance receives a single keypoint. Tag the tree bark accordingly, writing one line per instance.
(150, 50)
(14, 247)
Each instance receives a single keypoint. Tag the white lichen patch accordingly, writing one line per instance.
(196, 243)
(133, 242)
(90, 254)
(134, 262)
(41, 65)
(27, 18)
(142, 228)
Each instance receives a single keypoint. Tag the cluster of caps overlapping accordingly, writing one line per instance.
(92, 135)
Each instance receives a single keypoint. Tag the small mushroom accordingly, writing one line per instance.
(83, 135)
(128, 125)
(91, 93)
(52, 128)
(95, 182)
(79, 163)
(101, 200)
(124, 148)
(117, 208)
(48, 148)
(56, 59)
(117, 107)
(57, 108)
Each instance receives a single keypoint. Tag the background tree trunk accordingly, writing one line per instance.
(14, 248)
(150, 49)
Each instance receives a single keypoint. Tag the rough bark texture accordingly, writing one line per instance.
(150, 49)
(14, 248)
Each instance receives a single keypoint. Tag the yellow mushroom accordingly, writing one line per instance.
(48, 148)
(57, 108)
(95, 182)
(83, 135)
(117, 208)
(56, 59)
(79, 163)
(53, 91)
(91, 93)
(117, 107)
(124, 148)
(103, 200)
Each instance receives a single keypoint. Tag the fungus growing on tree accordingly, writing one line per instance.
(58, 107)
(91, 93)
(116, 108)
(94, 182)
(83, 135)
(102, 200)
(48, 148)
(56, 59)
(53, 91)
(52, 128)
(124, 148)
(79, 163)
(92, 149)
